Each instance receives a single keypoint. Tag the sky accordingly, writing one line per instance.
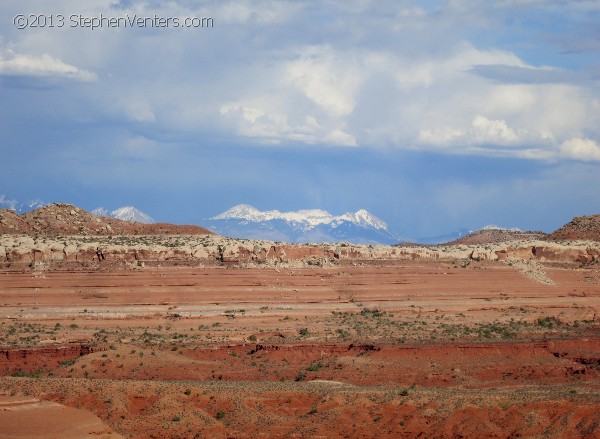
(432, 115)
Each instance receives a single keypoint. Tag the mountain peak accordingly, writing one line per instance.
(127, 213)
(240, 211)
(366, 219)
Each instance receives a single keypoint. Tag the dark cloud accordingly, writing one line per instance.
(525, 75)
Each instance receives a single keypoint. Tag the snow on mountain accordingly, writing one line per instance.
(493, 227)
(128, 213)
(311, 218)
(101, 211)
(312, 225)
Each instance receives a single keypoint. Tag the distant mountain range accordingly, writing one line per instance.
(315, 225)
(245, 221)
(128, 213)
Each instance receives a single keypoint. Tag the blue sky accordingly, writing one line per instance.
(432, 115)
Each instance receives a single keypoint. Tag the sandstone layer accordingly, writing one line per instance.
(112, 251)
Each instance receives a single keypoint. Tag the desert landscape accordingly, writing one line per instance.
(114, 329)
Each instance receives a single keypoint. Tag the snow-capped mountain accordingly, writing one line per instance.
(128, 213)
(310, 218)
(315, 225)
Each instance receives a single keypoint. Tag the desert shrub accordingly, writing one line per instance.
(314, 367)
(67, 363)
(548, 322)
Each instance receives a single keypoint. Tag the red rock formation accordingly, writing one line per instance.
(66, 219)
(489, 236)
(580, 228)
(32, 359)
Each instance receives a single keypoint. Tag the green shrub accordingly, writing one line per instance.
(314, 367)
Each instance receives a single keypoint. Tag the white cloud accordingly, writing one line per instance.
(425, 72)
(339, 137)
(510, 98)
(258, 123)
(14, 64)
(439, 136)
(581, 149)
(327, 78)
(496, 132)
(273, 127)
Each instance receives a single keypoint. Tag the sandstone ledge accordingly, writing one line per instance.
(137, 251)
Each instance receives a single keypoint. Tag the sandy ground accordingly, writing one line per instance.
(484, 291)
(389, 350)
(25, 417)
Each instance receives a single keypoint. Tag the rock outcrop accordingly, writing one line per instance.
(490, 236)
(580, 228)
(137, 251)
(66, 219)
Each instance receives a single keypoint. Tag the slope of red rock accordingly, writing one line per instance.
(580, 228)
(10, 222)
(66, 219)
(491, 236)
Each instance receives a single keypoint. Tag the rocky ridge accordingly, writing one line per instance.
(194, 250)
(581, 227)
(67, 219)
(496, 234)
